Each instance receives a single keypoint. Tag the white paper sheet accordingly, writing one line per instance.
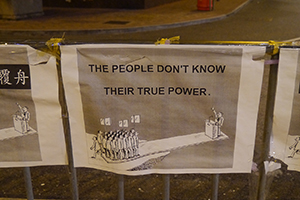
(286, 134)
(31, 130)
(192, 107)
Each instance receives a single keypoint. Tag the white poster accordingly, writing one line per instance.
(31, 130)
(286, 127)
(139, 109)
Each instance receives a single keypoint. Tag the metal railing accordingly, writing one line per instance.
(255, 191)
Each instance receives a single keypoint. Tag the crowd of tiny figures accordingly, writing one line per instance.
(116, 145)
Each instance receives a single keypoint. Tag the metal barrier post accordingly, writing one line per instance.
(53, 44)
(73, 178)
(66, 125)
(215, 186)
(268, 126)
(121, 187)
(166, 192)
(28, 183)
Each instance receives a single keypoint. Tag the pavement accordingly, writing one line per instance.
(99, 20)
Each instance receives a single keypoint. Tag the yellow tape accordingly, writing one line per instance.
(53, 45)
(233, 42)
(172, 40)
(276, 45)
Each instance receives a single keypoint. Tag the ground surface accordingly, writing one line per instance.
(53, 183)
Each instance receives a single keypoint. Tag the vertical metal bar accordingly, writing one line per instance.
(121, 187)
(215, 186)
(73, 179)
(67, 131)
(273, 73)
(166, 182)
(28, 183)
(71, 167)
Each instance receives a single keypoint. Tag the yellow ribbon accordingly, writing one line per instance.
(172, 40)
(53, 47)
(276, 45)
(54, 43)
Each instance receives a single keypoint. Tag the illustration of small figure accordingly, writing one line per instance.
(120, 146)
(294, 147)
(135, 142)
(23, 116)
(125, 145)
(213, 124)
(108, 147)
(100, 139)
(94, 147)
(114, 148)
(219, 120)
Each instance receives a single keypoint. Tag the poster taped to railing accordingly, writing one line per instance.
(139, 109)
(31, 130)
(286, 135)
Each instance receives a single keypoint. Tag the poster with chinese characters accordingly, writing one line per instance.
(140, 109)
(31, 130)
(286, 127)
